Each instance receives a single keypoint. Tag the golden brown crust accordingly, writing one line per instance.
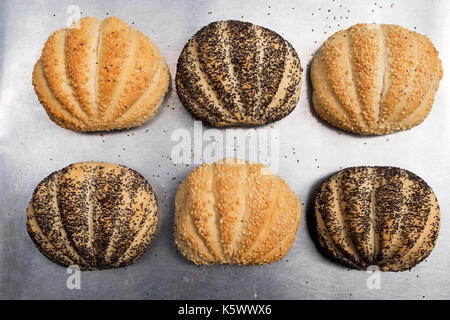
(236, 73)
(235, 212)
(78, 55)
(101, 76)
(375, 79)
(92, 214)
(381, 216)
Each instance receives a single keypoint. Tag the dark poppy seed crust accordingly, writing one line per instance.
(92, 214)
(381, 216)
(237, 73)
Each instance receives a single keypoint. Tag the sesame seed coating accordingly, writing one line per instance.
(237, 73)
(374, 79)
(101, 76)
(235, 212)
(92, 214)
(381, 216)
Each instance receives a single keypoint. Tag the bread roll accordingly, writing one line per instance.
(235, 212)
(375, 79)
(92, 214)
(237, 73)
(101, 76)
(381, 216)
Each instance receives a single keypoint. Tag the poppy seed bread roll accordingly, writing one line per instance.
(100, 76)
(92, 214)
(235, 212)
(375, 79)
(237, 73)
(381, 216)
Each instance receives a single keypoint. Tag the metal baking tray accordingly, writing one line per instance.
(32, 146)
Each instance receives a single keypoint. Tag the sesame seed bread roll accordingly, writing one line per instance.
(92, 214)
(235, 212)
(100, 76)
(375, 79)
(382, 216)
(237, 73)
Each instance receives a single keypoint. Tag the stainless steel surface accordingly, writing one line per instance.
(31, 147)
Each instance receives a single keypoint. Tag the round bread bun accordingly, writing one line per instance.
(375, 79)
(235, 212)
(237, 73)
(377, 216)
(100, 76)
(92, 214)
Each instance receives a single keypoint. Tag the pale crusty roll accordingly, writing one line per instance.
(100, 76)
(92, 214)
(235, 212)
(381, 216)
(237, 73)
(374, 79)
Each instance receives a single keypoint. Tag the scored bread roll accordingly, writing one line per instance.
(381, 216)
(237, 73)
(92, 214)
(235, 212)
(374, 79)
(100, 76)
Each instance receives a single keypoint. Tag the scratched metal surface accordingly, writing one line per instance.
(31, 146)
